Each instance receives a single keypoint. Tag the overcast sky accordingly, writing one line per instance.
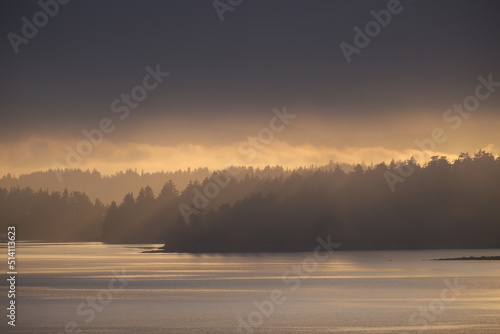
(225, 77)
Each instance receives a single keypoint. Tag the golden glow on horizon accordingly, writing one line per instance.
(110, 158)
(219, 143)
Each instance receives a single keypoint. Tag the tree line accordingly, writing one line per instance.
(51, 216)
(443, 204)
(113, 187)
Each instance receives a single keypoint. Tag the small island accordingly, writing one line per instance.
(471, 258)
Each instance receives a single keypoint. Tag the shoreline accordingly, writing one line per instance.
(471, 258)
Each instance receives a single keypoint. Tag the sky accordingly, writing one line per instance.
(218, 89)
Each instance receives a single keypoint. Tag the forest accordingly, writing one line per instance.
(113, 187)
(443, 204)
(51, 216)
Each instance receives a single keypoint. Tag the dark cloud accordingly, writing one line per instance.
(264, 54)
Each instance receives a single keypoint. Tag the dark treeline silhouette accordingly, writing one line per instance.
(105, 187)
(147, 218)
(441, 205)
(113, 187)
(51, 216)
(143, 219)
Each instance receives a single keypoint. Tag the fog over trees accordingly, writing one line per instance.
(51, 216)
(105, 187)
(113, 187)
(443, 204)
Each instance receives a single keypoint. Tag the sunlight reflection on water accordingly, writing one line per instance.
(352, 292)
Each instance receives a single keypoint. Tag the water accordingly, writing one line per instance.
(345, 292)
